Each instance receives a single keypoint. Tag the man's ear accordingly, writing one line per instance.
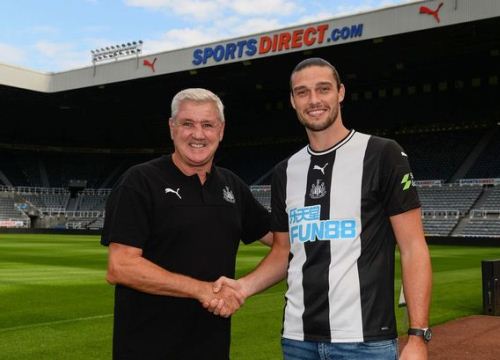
(222, 131)
(171, 126)
(341, 92)
(292, 101)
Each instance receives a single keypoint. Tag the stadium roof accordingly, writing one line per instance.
(402, 66)
(377, 24)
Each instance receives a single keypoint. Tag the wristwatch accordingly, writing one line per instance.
(426, 333)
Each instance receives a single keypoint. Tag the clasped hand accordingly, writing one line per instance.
(227, 297)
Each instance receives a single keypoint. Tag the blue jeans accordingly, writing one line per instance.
(310, 350)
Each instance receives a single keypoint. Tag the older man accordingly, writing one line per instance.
(173, 226)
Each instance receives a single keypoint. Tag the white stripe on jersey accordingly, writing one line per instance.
(344, 294)
(294, 308)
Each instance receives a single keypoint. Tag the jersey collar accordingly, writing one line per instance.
(334, 147)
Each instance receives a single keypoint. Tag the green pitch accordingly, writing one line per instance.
(55, 303)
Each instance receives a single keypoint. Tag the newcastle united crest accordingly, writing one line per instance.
(318, 190)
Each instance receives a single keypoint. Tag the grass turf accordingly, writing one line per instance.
(55, 303)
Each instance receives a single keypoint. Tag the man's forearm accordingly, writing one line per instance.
(271, 270)
(126, 266)
(143, 275)
(417, 283)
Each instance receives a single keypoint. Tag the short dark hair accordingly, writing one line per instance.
(315, 61)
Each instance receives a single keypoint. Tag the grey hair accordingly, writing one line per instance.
(197, 95)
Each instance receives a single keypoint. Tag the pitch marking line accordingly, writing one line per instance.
(49, 323)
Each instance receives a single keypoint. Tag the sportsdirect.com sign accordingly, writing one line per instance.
(302, 38)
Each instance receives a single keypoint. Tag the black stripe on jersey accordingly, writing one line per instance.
(316, 267)
(377, 309)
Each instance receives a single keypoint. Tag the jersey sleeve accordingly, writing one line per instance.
(256, 219)
(398, 191)
(127, 210)
(279, 217)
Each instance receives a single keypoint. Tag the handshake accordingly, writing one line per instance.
(224, 296)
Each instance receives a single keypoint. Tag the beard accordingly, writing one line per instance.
(319, 125)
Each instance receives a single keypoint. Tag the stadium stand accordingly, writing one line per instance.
(93, 200)
(10, 215)
(484, 218)
(492, 199)
(254, 163)
(430, 159)
(16, 174)
(484, 227)
(488, 163)
(57, 169)
(439, 226)
(46, 200)
(263, 195)
(449, 197)
(449, 209)
(84, 220)
(92, 168)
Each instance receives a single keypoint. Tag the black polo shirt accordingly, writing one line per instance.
(187, 228)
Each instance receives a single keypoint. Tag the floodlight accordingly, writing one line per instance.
(116, 51)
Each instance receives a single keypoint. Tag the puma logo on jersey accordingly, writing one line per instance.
(404, 154)
(176, 192)
(322, 169)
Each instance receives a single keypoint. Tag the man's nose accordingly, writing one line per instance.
(198, 132)
(314, 98)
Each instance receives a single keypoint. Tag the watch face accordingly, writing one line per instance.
(427, 334)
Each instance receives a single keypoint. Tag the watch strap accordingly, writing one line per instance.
(425, 333)
(416, 332)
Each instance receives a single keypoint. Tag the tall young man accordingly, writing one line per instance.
(339, 206)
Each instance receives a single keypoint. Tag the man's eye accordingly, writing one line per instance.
(208, 126)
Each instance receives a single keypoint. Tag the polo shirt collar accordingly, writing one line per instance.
(175, 171)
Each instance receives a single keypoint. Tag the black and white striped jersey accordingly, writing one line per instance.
(336, 205)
